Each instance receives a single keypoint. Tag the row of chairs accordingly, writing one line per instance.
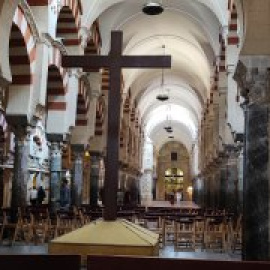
(215, 233)
(38, 225)
(185, 228)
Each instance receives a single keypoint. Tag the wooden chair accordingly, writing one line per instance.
(236, 235)
(155, 223)
(200, 233)
(184, 234)
(168, 229)
(10, 226)
(65, 223)
(215, 234)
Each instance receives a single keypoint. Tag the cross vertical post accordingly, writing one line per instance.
(114, 109)
(115, 61)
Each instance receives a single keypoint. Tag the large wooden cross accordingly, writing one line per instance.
(115, 61)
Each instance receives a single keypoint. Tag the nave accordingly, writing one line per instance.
(173, 148)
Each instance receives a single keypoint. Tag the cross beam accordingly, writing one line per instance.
(115, 61)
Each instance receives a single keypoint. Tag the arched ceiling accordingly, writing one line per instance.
(190, 32)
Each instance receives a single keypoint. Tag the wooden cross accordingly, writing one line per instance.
(115, 61)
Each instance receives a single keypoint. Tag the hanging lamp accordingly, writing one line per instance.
(152, 8)
(162, 96)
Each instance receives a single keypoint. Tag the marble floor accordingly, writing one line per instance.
(166, 252)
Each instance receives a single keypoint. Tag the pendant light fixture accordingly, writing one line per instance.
(168, 127)
(152, 8)
(162, 96)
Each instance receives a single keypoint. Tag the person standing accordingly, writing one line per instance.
(40, 195)
(178, 196)
(64, 194)
(33, 196)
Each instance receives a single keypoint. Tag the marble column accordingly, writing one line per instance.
(217, 188)
(252, 76)
(77, 179)
(134, 191)
(55, 169)
(94, 179)
(146, 181)
(146, 186)
(223, 187)
(198, 191)
(205, 191)
(231, 196)
(19, 187)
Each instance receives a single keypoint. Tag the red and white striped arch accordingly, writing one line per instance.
(233, 37)
(127, 103)
(69, 22)
(22, 49)
(82, 105)
(57, 82)
(100, 117)
(222, 55)
(76, 8)
(94, 43)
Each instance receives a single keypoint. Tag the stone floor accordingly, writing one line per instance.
(167, 252)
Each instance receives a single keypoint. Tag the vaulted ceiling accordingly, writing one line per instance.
(189, 30)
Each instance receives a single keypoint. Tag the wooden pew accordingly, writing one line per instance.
(40, 262)
(99, 262)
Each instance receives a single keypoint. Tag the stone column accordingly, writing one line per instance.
(77, 179)
(146, 182)
(223, 89)
(19, 191)
(252, 75)
(232, 189)
(207, 194)
(223, 187)
(216, 187)
(146, 186)
(55, 180)
(94, 178)
(19, 186)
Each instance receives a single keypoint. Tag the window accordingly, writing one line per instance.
(173, 156)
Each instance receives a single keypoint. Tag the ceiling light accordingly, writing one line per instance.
(171, 137)
(162, 96)
(168, 127)
(152, 8)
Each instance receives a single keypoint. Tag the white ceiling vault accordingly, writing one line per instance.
(190, 32)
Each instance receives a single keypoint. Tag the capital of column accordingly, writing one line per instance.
(95, 80)
(18, 124)
(84, 35)
(78, 150)
(38, 114)
(47, 39)
(253, 77)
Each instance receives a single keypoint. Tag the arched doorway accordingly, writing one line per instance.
(173, 170)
